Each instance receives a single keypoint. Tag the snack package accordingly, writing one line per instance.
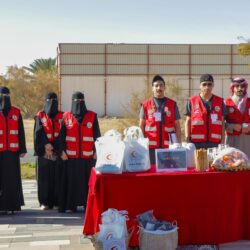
(201, 160)
(231, 159)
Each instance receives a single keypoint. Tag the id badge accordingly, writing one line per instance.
(157, 116)
(214, 117)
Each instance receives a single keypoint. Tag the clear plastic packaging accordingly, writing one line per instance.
(231, 159)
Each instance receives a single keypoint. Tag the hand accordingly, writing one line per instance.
(22, 155)
(188, 139)
(94, 156)
(48, 147)
(64, 156)
(237, 127)
(49, 151)
(49, 154)
(246, 129)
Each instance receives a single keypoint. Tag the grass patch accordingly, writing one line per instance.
(28, 170)
(29, 130)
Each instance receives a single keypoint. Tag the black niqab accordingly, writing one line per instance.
(51, 104)
(78, 107)
(5, 103)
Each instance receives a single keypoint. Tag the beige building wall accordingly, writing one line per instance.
(92, 87)
(109, 74)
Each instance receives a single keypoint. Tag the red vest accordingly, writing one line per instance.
(206, 128)
(79, 139)
(235, 116)
(9, 130)
(152, 127)
(51, 128)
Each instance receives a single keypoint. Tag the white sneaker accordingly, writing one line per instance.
(43, 207)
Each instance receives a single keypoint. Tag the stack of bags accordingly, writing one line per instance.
(113, 231)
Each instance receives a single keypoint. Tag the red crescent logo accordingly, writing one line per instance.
(109, 157)
(133, 154)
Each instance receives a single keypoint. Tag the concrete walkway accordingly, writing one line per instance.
(33, 228)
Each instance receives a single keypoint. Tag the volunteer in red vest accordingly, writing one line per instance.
(238, 116)
(12, 147)
(160, 119)
(205, 114)
(46, 130)
(80, 129)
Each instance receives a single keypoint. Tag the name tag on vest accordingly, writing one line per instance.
(157, 116)
(214, 117)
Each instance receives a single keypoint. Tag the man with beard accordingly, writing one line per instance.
(46, 130)
(238, 116)
(205, 113)
(160, 119)
(79, 130)
(12, 147)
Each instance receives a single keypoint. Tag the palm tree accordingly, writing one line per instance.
(42, 64)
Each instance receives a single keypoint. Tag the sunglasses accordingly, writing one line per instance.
(207, 84)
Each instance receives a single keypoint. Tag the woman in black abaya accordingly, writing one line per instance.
(46, 130)
(79, 130)
(12, 147)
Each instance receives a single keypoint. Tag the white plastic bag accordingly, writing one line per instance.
(110, 151)
(113, 230)
(136, 155)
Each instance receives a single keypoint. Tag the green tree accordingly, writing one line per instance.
(42, 64)
(21, 89)
(244, 46)
(27, 91)
(43, 81)
(244, 49)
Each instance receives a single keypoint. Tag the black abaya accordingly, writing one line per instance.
(11, 193)
(75, 175)
(48, 171)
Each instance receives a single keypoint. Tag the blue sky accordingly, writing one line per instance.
(32, 29)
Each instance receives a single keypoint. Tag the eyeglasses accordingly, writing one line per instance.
(209, 84)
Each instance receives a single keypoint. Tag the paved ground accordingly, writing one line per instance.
(33, 229)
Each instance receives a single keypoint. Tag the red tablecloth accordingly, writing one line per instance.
(210, 207)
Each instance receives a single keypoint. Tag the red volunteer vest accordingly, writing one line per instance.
(152, 127)
(79, 139)
(205, 128)
(50, 129)
(235, 116)
(9, 130)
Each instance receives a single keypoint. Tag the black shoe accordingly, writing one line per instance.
(10, 212)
